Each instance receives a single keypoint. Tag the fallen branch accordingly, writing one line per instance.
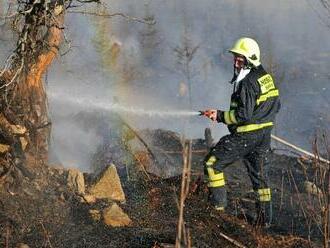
(300, 150)
(127, 17)
(140, 138)
(231, 240)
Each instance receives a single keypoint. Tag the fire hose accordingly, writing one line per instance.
(286, 143)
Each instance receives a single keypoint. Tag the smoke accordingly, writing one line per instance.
(143, 71)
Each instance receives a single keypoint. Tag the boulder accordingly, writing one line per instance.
(76, 181)
(114, 216)
(108, 185)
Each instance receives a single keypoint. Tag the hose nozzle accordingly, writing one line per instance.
(201, 112)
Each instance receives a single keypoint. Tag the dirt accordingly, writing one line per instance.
(44, 212)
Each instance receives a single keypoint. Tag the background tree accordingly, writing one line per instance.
(38, 27)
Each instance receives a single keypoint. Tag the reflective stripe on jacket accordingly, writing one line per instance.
(254, 102)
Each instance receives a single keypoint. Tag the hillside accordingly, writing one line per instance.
(54, 209)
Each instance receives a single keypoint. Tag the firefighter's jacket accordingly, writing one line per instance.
(254, 103)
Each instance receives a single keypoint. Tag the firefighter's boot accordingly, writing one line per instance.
(218, 198)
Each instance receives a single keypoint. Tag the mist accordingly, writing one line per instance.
(135, 64)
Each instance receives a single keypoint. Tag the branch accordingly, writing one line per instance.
(314, 156)
(28, 11)
(233, 241)
(127, 17)
(18, 71)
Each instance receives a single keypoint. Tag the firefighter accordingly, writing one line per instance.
(250, 118)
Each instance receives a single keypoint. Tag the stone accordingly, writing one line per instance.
(24, 142)
(17, 129)
(22, 245)
(108, 185)
(90, 199)
(95, 214)
(76, 181)
(4, 148)
(114, 216)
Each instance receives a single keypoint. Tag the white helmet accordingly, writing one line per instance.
(249, 48)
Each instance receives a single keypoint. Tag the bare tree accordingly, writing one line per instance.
(150, 38)
(38, 25)
(185, 54)
(39, 29)
(319, 7)
(326, 5)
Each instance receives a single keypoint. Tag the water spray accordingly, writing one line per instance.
(118, 108)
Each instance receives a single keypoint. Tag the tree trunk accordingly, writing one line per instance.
(31, 95)
(24, 102)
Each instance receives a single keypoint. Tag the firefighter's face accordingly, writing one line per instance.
(239, 61)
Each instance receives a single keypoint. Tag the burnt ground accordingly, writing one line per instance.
(43, 212)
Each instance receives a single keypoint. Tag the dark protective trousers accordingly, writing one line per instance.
(253, 147)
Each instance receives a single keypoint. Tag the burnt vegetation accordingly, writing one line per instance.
(41, 207)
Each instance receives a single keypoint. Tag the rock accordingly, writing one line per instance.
(24, 142)
(95, 214)
(21, 245)
(4, 148)
(89, 198)
(108, 185)
(76, 181)
(17, 129)
(114, 216)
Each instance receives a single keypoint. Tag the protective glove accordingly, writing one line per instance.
(213, 114)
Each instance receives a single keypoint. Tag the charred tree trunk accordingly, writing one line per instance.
(23, 97)
(31, 95)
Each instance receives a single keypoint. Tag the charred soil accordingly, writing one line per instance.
(45, 212)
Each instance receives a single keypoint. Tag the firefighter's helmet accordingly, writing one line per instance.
(249, 48)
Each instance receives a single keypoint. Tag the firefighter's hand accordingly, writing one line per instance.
(211, 113)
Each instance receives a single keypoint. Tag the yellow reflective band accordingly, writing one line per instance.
(213, 176)
(266, 83)
(232, 116)
(269, 94)
(220, 208)
(215, 180)
(253, 127)
(264, 194)
(211, 161)
(227, 118)
(214, 184)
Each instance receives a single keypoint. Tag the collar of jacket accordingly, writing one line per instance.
(242, 74)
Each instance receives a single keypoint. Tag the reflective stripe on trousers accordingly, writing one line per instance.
(264, 195)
